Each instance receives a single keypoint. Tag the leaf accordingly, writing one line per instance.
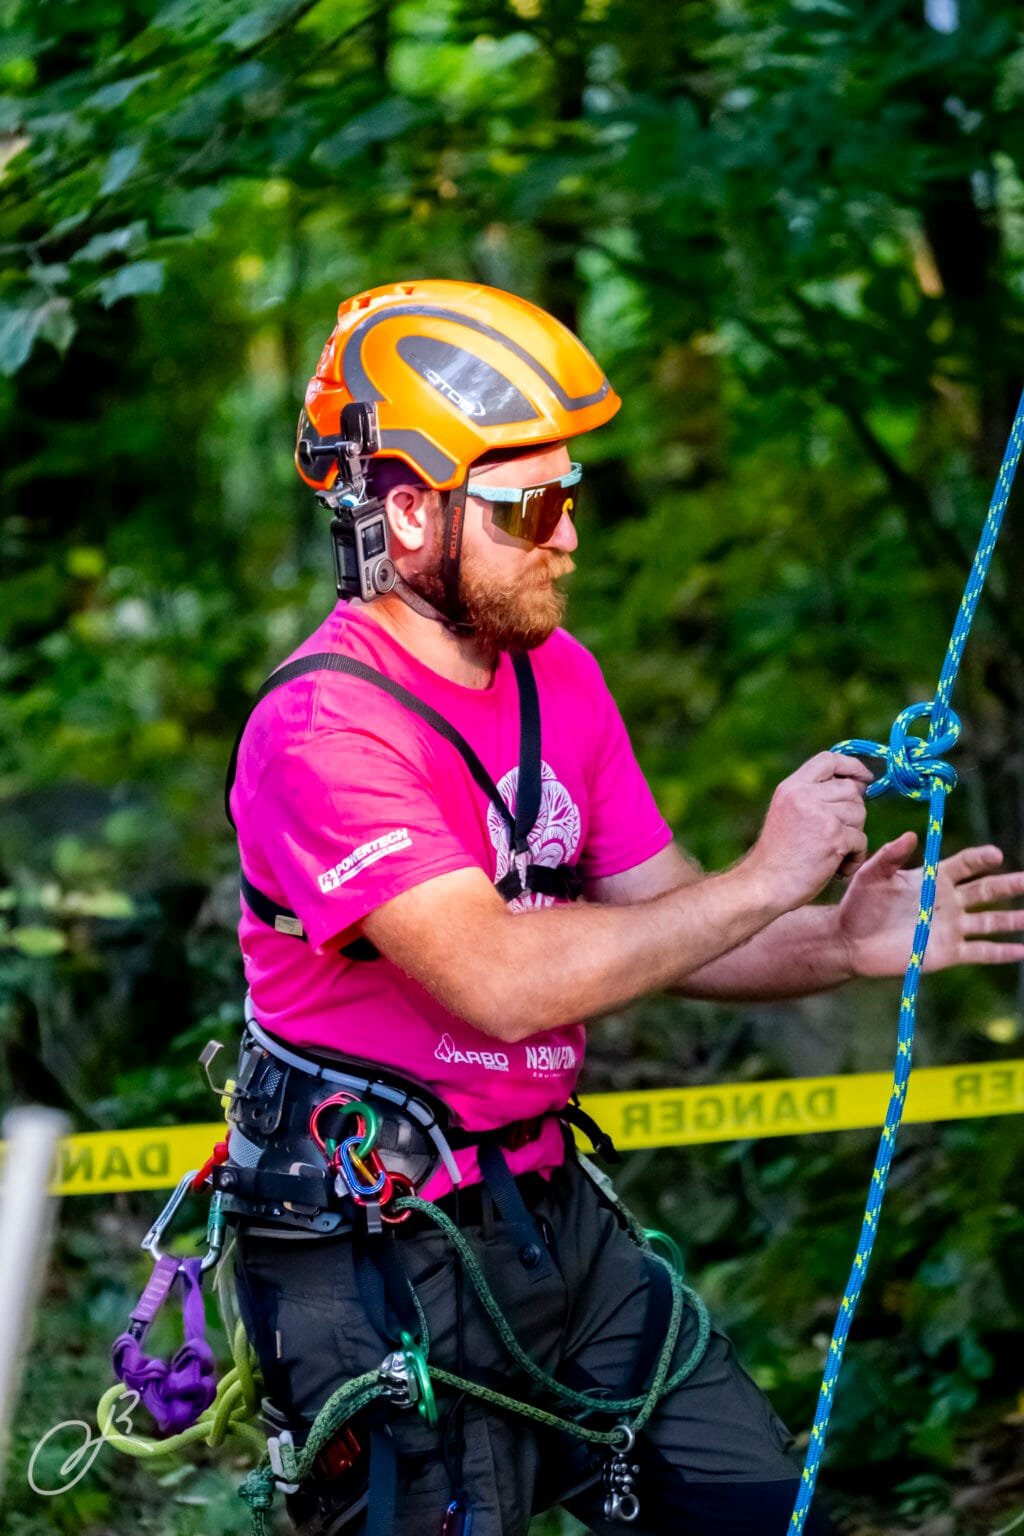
(37, 942)
(124, 239)
(12, 145)
(137, 277)
(18, 330)
(58, 324)
(118, 92)
(119, 167)
(108, 904)
(252, 28)
(386, 120)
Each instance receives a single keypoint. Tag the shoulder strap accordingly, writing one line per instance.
(332, 661)
(528, 788)
(563, 881)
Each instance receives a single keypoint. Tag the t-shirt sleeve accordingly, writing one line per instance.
(348, 822)
(625, 828)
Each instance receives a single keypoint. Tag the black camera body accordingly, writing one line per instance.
(363, 566)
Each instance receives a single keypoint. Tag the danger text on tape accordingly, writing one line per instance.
(108, 1162)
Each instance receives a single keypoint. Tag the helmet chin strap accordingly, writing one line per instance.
(451, 548)
(451, 555)
(426, 609)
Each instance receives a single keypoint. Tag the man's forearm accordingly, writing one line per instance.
(799, 953)
(535, 970)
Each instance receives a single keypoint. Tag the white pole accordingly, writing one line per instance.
(27, 1212)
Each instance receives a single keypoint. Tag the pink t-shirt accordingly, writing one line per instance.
(344, 799)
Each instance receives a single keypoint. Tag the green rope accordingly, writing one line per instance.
(258, 1488)
(583, 1401)
(236, 1403)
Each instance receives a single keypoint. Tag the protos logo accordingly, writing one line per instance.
(447, 1051)
(550, 1058)
(464, 403)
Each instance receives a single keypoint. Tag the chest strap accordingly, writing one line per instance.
(562, 881)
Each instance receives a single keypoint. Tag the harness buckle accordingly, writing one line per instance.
(521, 862)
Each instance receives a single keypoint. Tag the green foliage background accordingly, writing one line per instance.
(794, 235)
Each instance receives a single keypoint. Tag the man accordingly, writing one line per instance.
(421, 792)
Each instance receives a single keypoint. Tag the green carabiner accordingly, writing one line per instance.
(416, 1366)
(372, 1118)
(672, 1249)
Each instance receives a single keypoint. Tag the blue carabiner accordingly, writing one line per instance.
(351, 1175)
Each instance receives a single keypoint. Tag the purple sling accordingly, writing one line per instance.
(175, 1391)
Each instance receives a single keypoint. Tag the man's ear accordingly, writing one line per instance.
(408, 509)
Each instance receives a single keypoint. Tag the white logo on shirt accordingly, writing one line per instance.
(361, 858)
(553, 840)
(550, 1058)
(448, 1052)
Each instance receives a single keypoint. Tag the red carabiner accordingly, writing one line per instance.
(400, 1184)
(317, 1110)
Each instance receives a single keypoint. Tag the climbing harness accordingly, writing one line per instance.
(562, 881)
(406, 1380)
(315, 1142)
(913, 767)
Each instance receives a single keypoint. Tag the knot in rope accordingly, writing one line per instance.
(258, 1492)
(914, 765)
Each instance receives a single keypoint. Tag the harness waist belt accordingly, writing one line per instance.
(277, 1169)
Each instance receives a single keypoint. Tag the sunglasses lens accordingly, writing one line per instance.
(538, 514)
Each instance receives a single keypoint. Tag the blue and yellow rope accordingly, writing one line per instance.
(913, 767)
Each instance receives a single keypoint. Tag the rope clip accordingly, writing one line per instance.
(281, 1451)
(345, 1104)
(150, 1243)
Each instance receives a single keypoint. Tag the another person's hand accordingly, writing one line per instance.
(814, 825)
(878, 914)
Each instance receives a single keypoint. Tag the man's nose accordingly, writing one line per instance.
(565, 536)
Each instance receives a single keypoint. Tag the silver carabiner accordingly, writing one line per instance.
(152, 1238)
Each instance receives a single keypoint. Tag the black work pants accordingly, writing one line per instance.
(715, 1459)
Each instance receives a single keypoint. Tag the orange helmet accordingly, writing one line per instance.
(455, 370)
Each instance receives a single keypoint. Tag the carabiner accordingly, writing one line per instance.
(214, 1233)
(366, 1179)
(152, 1238)
(401, 1184)
(347, 1105)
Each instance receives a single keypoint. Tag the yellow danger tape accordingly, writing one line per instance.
(106, 1162)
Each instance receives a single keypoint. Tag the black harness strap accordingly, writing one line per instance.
(265, 1187)
(528, 788)
(284, 920)
(332, 661)
(602, 1143)
(532, 1252)
(564, 881)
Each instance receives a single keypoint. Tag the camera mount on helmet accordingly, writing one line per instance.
(363, 566)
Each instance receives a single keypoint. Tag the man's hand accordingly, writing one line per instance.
(814, 825)
(879, 911)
